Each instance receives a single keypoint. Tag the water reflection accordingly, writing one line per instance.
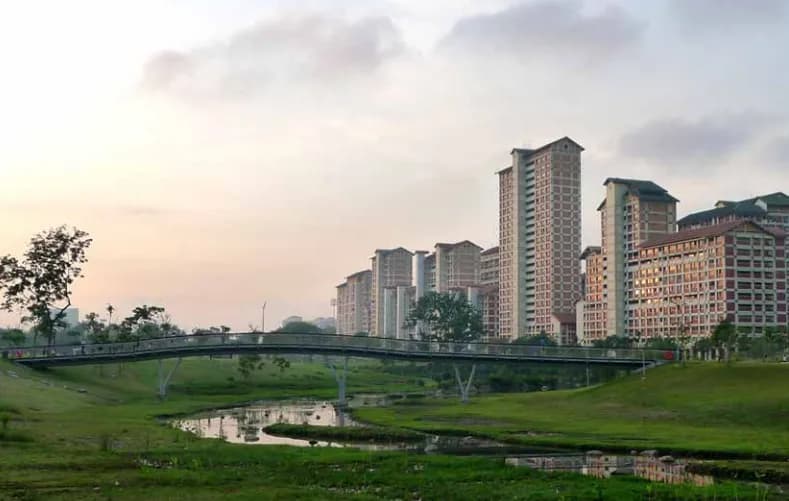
(647, 464)
(245, 425)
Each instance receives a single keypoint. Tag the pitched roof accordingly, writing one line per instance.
(706, 232)
(778, 198)
(592, 249)
(492, 250)
(389, 251)
(358, 273)
(645, 190)
(531, 151)
(737, 209)
(456, 244)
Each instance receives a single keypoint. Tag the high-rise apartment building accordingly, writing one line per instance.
(489, 291)
(353, 303)
(633, 212)
(391, 268)
(539, 238)
(768, 210)
(456, 265)
(685, 283)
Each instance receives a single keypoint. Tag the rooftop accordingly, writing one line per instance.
(645, 190)
(737, 209)
(707, 232)
(592, 249)
(492, 250)
(456, 244)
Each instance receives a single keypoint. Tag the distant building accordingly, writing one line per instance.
(539, 238)
(768, 210)
(687, 282)
(353, 303)
(70, 316)
(456, 265)
(489, 291)
(390, 268)
(633, 212)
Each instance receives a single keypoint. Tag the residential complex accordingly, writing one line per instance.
(353, 303)
(391, 268)
(539, 239)
(633, 211)
(652, 276)
(684, 284)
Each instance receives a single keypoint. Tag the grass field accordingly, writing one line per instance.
(716, 409)
(78, 433)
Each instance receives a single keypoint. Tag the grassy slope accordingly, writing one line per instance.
(742, 409)
(71, 431)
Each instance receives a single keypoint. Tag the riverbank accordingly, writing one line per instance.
(701, 409)
(95, 435)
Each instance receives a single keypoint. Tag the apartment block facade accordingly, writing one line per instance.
(390, 268)
(456, 265)
(489, 291)
(770, 210)
(539, 238)
(687, 282)
(633, 212)
(353, 303)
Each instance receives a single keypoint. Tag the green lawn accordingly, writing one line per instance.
(95, 435)
(739, 410)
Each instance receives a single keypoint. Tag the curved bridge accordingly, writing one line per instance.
(320, 344)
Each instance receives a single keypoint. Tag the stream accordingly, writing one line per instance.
(245, 425)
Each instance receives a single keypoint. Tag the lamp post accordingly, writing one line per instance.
(263, 317)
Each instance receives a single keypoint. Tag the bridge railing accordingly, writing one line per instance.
(328, 343)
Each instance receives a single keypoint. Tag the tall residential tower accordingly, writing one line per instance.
(539, 238)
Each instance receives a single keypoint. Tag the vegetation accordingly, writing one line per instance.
(345, 433)
(715, 409)
(98, 438)
(40, 283)
(447, 317)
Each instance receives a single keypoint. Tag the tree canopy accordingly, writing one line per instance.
(447, 317)
(40, 282)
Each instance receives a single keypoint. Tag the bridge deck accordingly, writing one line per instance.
(369, 347)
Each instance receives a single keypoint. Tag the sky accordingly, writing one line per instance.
(223, 154)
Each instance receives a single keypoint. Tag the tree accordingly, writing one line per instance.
(300, 328)
(95, 329)
(449, 318)
(247, 364)
(541, 339)
(147, 322)
(12, 337)
(613, 342)
(40, 282)
(110, 310)
(725, 336)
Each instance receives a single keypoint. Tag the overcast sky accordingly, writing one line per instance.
(226, 153)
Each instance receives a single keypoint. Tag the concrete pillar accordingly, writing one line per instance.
(402, 306)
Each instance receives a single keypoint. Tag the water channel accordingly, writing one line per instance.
(246, 425)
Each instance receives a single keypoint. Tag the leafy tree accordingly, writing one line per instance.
(300, 328)
(362, 334)
(541, 339)
(725, 336)
(95, 330)
(613, 342)
(12, 337)
(247, 364)
(40, 282)
(147, 322)
(448, 317)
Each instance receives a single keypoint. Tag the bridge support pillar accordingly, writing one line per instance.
(464, 387)
(164, 380)
(341, 376)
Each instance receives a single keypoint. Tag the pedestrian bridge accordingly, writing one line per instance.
(320, 344)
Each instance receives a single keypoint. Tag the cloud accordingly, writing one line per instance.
(550, 28)
(776, 152)
(703, 15)
(672, 141)
(288, 48)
